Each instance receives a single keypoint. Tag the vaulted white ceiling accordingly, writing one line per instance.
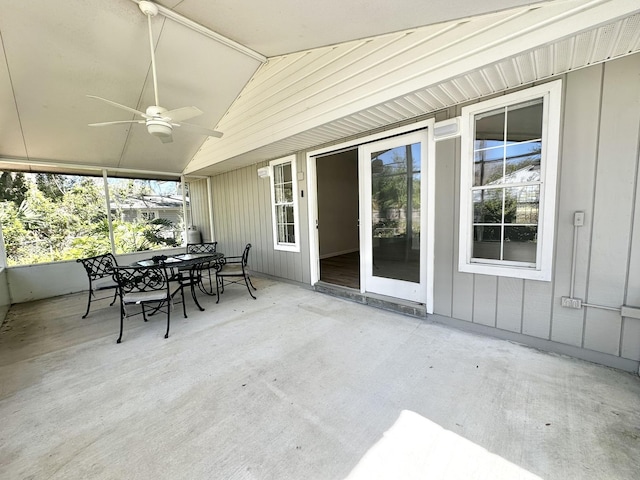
(53, 54)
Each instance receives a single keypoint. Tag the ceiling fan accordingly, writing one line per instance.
(159, 120)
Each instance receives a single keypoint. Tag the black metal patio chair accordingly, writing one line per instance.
(234, 270)
(99, 269)
(143, 286)
(204, 247)
(205, 271)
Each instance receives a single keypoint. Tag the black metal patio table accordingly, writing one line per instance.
(191, 264)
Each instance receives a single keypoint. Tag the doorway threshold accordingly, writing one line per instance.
(383, 302)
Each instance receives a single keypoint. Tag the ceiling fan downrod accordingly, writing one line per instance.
(150, 9)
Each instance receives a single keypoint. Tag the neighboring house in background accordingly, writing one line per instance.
(149, 207)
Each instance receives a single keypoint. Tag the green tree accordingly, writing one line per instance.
(14, 232)
(53, 185)
(13, 187)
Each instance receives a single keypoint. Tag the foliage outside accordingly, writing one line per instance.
(391, 184)
(50, 217)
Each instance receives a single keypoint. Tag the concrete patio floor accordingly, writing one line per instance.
(298, 385)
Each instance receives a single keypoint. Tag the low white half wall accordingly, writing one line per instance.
(5, 298)
(35, 282)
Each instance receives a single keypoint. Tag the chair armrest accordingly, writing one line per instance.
(236, 259)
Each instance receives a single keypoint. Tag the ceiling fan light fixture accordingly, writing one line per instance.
(159, 128)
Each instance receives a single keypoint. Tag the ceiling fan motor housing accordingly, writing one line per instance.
(159, 128)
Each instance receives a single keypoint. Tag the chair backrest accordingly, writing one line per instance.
(245, 255)
(142, 279)
(204, 247)
(99, 266)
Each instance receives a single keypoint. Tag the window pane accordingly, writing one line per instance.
(286, 233)
(288, 192)
(133, 231)
(521, 204)
(52, 217)
(291, 237)
(277, 174)
(284, 213)
(524, 121)
(486, 242)
(489, 129)
(279, 193)
(282, 233)
(520, 244)
(284, 193)
(487, 206)
(523, 162)
(286, 172)
(488, 166)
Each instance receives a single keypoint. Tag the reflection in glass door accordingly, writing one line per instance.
(395, 212)
(394, 254)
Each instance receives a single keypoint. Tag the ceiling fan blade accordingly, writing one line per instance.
(102, 124)
(184, 113)
(199, 129)
(123, 107)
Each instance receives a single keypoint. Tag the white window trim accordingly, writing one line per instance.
(287, 247)
(552, 94)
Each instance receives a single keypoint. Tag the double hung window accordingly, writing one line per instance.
(508, 183)
(284, 199)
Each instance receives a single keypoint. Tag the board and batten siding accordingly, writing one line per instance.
(242, 214)
(199, 205)
(598, 174)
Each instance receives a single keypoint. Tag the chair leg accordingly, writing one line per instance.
(166, 335)
(115, 295)
(247, 282)
(249, 278)
(88, 303)
(184, 305)
(121, 323)
(210, 284)
(193, 295)
(218, 280)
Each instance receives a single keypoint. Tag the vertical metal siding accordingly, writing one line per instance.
(613, 208)
(599, 170)
(576, 181)
(199, 203)
(242, 214)
(444, 222)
